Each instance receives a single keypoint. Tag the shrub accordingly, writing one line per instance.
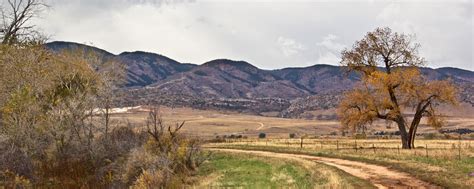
(148, 179)
(14, 160)
(360, 136)
(430, 136)
(471, 136)
(13, 180)
(292, 135)
(262, 135)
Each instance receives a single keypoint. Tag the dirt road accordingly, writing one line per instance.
(261, 126)
(379, 176)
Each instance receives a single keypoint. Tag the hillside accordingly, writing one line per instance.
(241, 86)
(142, 68)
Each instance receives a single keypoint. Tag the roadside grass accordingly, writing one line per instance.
(236, 171)
(232, 170)
(440, 167)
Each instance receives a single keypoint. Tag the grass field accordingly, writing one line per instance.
(210, 123)
(440, 165)
(446, 163)
(226, 170)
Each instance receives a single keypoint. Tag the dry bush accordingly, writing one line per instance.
(56, 128)
(10, 179)
(12, 159)
(112, 152)
(167, 159)
(137, 161)
(149, 179)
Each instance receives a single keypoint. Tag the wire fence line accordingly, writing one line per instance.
(429, 148)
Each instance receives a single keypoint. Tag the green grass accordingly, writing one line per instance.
(253, 172)
(449, 173)
(230, 170)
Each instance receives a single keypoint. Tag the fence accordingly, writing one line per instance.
(428, 148)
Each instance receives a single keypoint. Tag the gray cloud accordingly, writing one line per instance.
(269, 34)
(289, 47)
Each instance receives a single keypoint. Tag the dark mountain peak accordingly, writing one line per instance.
(310, 68)
(465, 75)
(147, 56)
(139, 53)
(323, 66)
(453, 70)
(227, 62)
(64, 45)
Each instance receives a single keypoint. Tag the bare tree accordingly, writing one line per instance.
(112, 75)
(165, 136)
(16, 15)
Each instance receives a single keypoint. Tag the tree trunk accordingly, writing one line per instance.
(412, 133)
(406, 140)
(414, 124)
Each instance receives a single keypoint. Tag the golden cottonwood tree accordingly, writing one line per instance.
(392, 85)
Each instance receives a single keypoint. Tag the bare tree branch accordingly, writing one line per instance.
(15, 18)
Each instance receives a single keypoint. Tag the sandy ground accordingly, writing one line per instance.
(379, 176)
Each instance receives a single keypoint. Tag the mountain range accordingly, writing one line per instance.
(151, 76)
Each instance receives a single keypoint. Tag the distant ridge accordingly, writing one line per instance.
(151, 75)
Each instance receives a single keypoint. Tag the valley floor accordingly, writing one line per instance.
(212, 124)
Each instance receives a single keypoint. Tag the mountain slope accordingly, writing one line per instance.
(151, 75)
(230, 79)
(142, 68)
(145, 68)
(319, 78)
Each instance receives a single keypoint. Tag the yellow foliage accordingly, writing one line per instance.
(148, 179)
(386, 92)
(13, 180)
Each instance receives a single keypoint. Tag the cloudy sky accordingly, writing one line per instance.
(268, 34)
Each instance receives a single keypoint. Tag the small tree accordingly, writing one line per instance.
(262, 135)
(391, 83)
(292, 135)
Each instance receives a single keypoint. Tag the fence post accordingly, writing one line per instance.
(398, 149)
(459, 152)
(356, 145)
(337, 144)
(426, 150)
(373, 146)
(321, 144)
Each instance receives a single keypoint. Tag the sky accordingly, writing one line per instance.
(268, 34)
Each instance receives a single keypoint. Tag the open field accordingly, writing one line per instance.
(210, 123)
(226, 169)
(378, 176)
(443, 163)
